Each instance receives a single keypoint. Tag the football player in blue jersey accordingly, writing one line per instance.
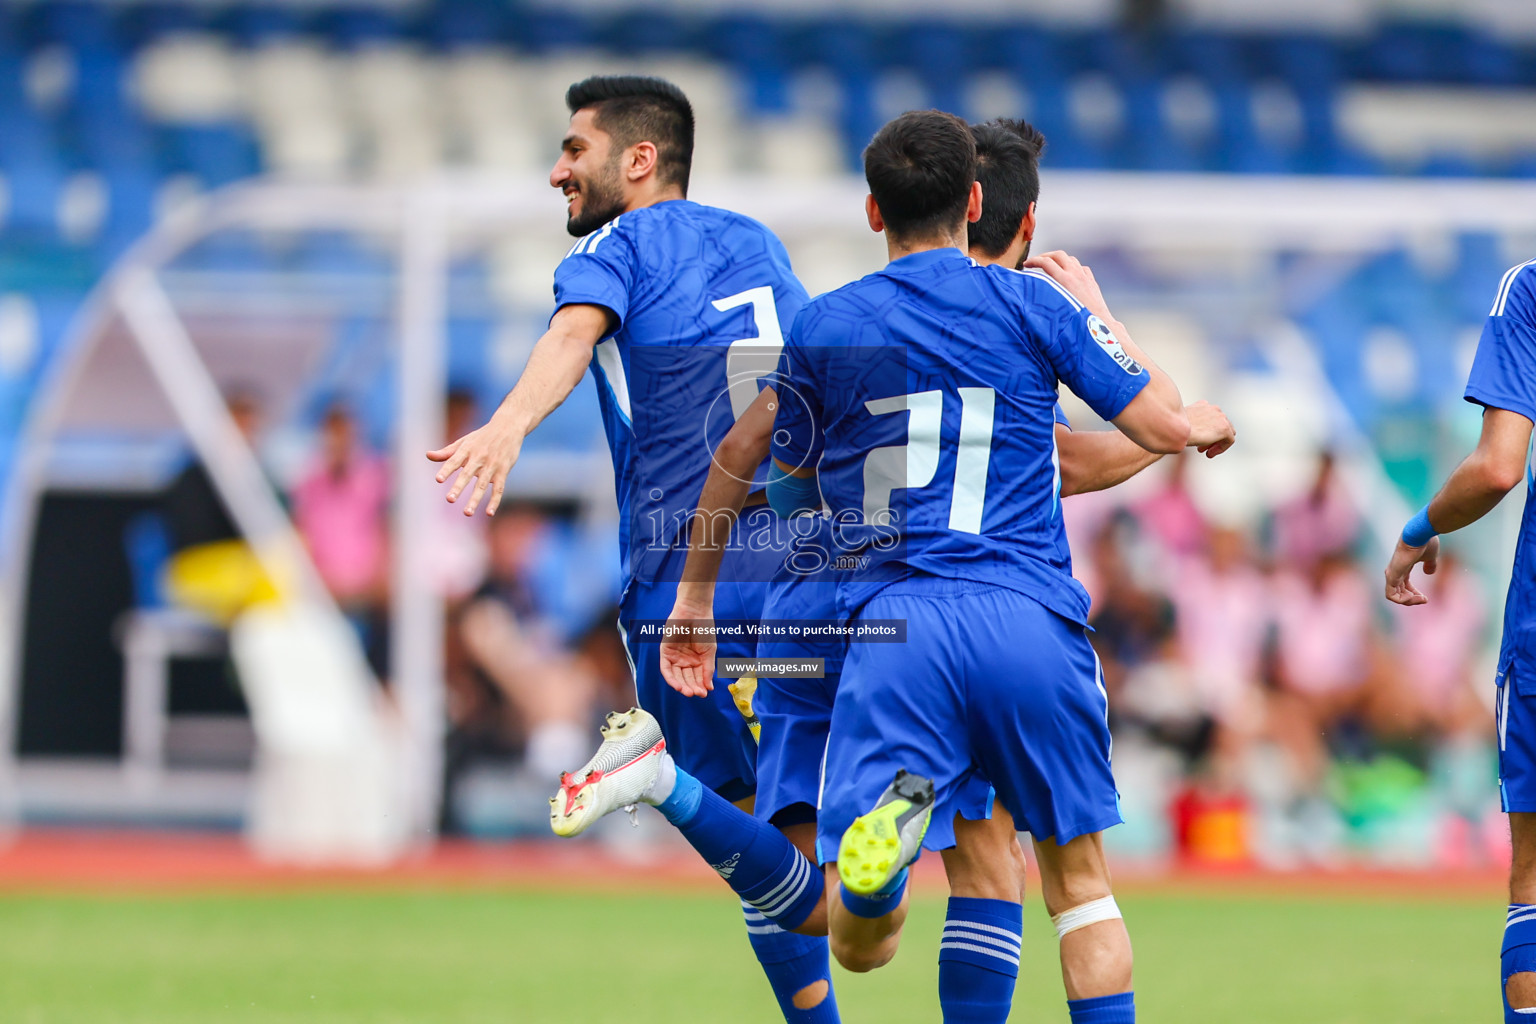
(1503, 382)
(795, 712)
(928, 389)
(677, 308)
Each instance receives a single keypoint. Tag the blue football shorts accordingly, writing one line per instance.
(991, 692)
(707, 736)
(1515, 717)
(796, 714)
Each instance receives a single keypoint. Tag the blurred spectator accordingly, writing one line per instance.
(1325, 657)
(458, 562)
(1433, 688)
(1224, 617)
(1318, 523)
(340, 506)
(525, 687)
(1170, 514)
(212, 570)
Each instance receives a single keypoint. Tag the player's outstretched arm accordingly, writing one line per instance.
(1493, 469)
(554, 368)
(688, 661)
(1155, 418)
(1096, 460)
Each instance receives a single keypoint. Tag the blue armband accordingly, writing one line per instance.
(1418, 532)
(791, 495)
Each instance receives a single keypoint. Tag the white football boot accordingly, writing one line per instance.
(618, 775)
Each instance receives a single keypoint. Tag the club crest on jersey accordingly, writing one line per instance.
(1106, 337)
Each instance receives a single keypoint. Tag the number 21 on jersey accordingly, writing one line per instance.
(914, 464)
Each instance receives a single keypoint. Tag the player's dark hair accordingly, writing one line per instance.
(920, 168)
(1008, 167)
(636, 108)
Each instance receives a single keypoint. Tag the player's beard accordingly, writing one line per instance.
(1022, 257)
(602, 199)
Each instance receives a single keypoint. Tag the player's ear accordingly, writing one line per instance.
(1027, 224)
(641, 160)
(872, 211)
(973, 207)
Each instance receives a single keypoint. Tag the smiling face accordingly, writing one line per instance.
(589, 176)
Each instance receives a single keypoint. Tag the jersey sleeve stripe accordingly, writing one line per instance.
(1042, 275)
(607, 230)
(1505, 286)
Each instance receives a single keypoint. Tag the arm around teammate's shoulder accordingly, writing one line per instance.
(1154, 418)
(554, 369)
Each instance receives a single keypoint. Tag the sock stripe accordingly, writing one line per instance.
(797, 871)
(768, 899)
(1522, 918)
(763, 929)
(970, 936)
(983, 950)
(787, 891)
(1012, 936)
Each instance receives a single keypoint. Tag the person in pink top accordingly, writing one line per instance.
(1225, 611)
(1326, 656)
(1319, 522)
(341, 509)
(1436, 651)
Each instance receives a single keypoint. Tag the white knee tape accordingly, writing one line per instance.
(1085, 914)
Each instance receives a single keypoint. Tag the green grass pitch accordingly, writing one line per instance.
(469, 956)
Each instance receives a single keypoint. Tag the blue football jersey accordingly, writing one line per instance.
(1504, 377)
(930, 388)
(697, 295)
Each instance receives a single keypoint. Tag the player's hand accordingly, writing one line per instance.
(1065, 270)
(1210, 432)
(688, 652)
(1400, 588)
(485, 456)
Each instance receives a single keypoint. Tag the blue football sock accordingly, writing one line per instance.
(876, 904)
(1517, 955)
(792, 963)
(1115, 1009)
(979, 960)
(754, 858)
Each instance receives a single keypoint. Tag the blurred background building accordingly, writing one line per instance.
(1304, 208)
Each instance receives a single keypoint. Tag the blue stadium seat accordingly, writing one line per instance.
(942, 54)
(1448, 165)
(350, 28)
(647, 31)
(77, 25)
(755, 47)
(216, 153)
(1479, 265)
(336, 252)
(552, 29)
(1522, 165)
(1488, 61)
(145, 23)
(228, 251)
(469, 341)
(1309, 63)
(256, 24)
(1212, 56)
(130, 208)
(467, 23)
(1338, 327)
(35, 187)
